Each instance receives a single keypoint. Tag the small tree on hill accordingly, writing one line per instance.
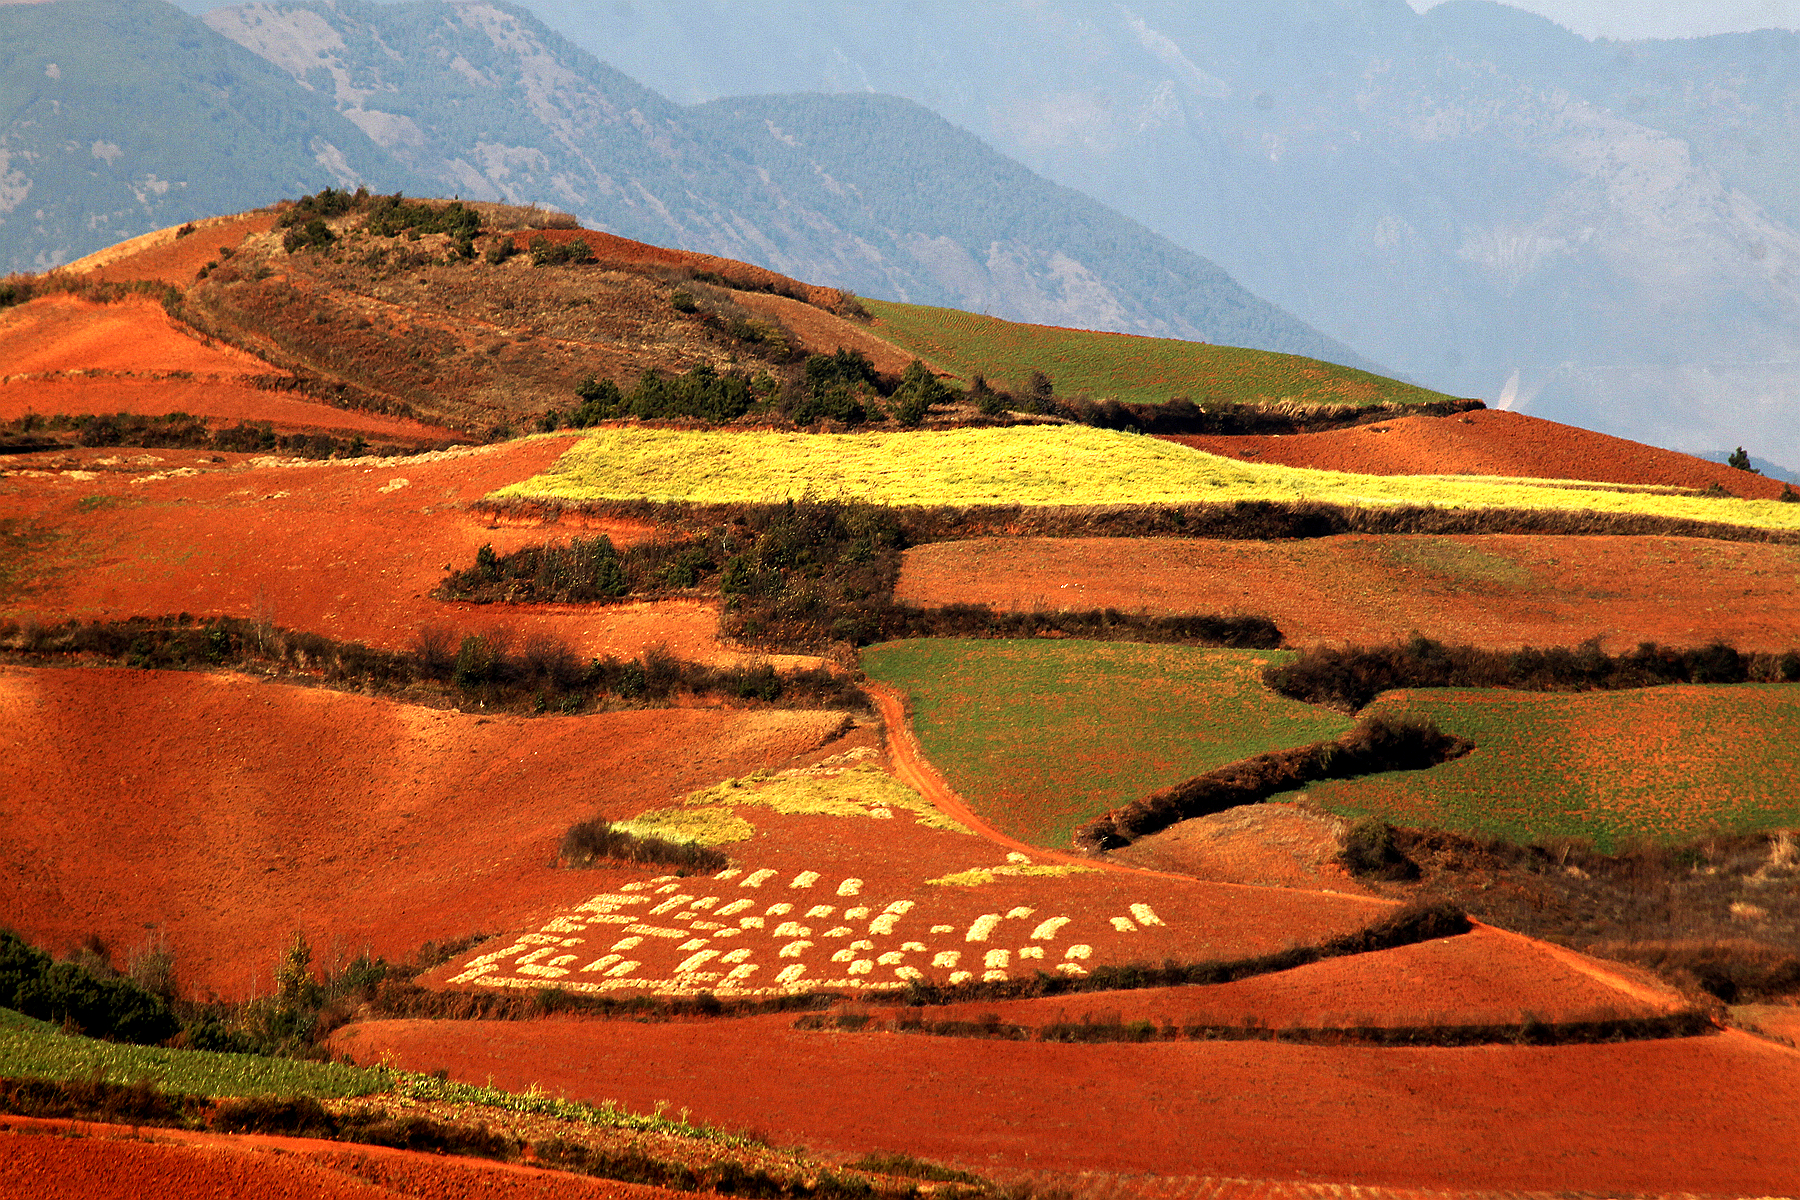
(1741, 461)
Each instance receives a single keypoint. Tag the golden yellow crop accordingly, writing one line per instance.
(1043, 465)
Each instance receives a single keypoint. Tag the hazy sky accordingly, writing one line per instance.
(1659, 18)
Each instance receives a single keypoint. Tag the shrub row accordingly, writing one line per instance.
(539, 675)
(589, 843)
(1375, 745)
(140, 1103)
(804, 575)
(81, 996)
(182, 431)
(304, 1116)
(1350, 677)
(400, 997)
(1527, 1032)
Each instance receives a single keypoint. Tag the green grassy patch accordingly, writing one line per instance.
(1666, 764)
(1040, 736)
(35, 1049)
(1125, 367)
(1039, 465)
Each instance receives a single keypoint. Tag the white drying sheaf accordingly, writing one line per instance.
(909, 973)
(818, 911)
(736, 956)
(692, 944)
(1144, 915)
(946, 958)
(600, 964)
(778, 910)
(734, 908)
(843, 956)
(751, 922)
(794, 949)
(673, 902)
(630, 943)
(805, 879)
(705, 902)
(792, 929)
(729, 873)
(996, 958)
(1020, 913)
(1123, 924)
(757, 878)
(943, 929)
(1078, 952)
(850, 887)
(862, 966)
(983, 926)
(892, 958)
(899, 908)
(961, 976)
(993, 976)
(883, 925)
(693, 961)
(855, 914)
(791, 974)
(839, 931)
(1031, 952)
(1070, 968)
(1047, 930)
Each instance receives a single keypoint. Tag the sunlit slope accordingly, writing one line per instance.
(1125, 367)
(1039, 465)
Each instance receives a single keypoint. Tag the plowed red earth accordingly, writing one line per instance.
(66, 333)
(1486, 442)
(97, 1162)
(1498, 591)
(218, 402)
(1709, 1115)
(226, 814)
(821, 332)
(1484, 977)
(175, 260)
(351, 550)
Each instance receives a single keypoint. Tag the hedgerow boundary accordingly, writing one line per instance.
(1375, 746)
(1529, 1031)
(442, 668)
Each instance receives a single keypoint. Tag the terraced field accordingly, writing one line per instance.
(1663, 764)
(1040, 465)
(1125, 367)
(1041, 736)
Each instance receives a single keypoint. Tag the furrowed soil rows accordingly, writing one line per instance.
(351, 550)
(1040, 736)
(1482, 977)
(99, 1162)
(1487, 442)
(1498, 591)
(1126, 367)
(1708, 1115)
(219, 402)
(226, 814)
(1668, 764)
(66, 333)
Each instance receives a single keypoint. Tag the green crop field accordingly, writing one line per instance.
(1121, 366)
(1039, 465)
(33, 1048)
(1039, 736)
(1664, 764)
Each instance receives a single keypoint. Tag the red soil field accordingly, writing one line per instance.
(821, 332)
(164, 256)
(1710, 1114)
(1486, 976)
(82, 1161)
(351, 550)
(61, 332)
(1486, 442)
(1496, 590)
(225, 814)
(218, 402)
(613, 250)
(1273, 844)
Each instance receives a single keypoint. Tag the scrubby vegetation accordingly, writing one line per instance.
(1377, 744)
(169, 431)
(540, 674)
(589, 843)
(801, 575)
(1350, 677)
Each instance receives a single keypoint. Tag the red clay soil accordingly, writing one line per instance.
(171, 259)
(822, 332)
(225, 814)
(1272, 844)
(61, 332)
(1486, 442)
(218, 402)
(1484, 977)
(613, 250)
(351, 550)
(81, 1161)
(1709, 1115)
(1498, 591)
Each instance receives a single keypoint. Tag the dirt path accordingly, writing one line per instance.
(1663, 997)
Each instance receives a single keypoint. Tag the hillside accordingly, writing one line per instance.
(1459, 193)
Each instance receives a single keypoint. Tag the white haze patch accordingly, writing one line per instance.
(1513, 398)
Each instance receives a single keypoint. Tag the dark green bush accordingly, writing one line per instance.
(101, 1006)
(1369, 851)
(595, 841)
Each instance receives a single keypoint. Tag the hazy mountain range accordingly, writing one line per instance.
(1597, 232)
(480, 99)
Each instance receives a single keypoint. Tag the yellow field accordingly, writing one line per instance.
(1040, 465)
